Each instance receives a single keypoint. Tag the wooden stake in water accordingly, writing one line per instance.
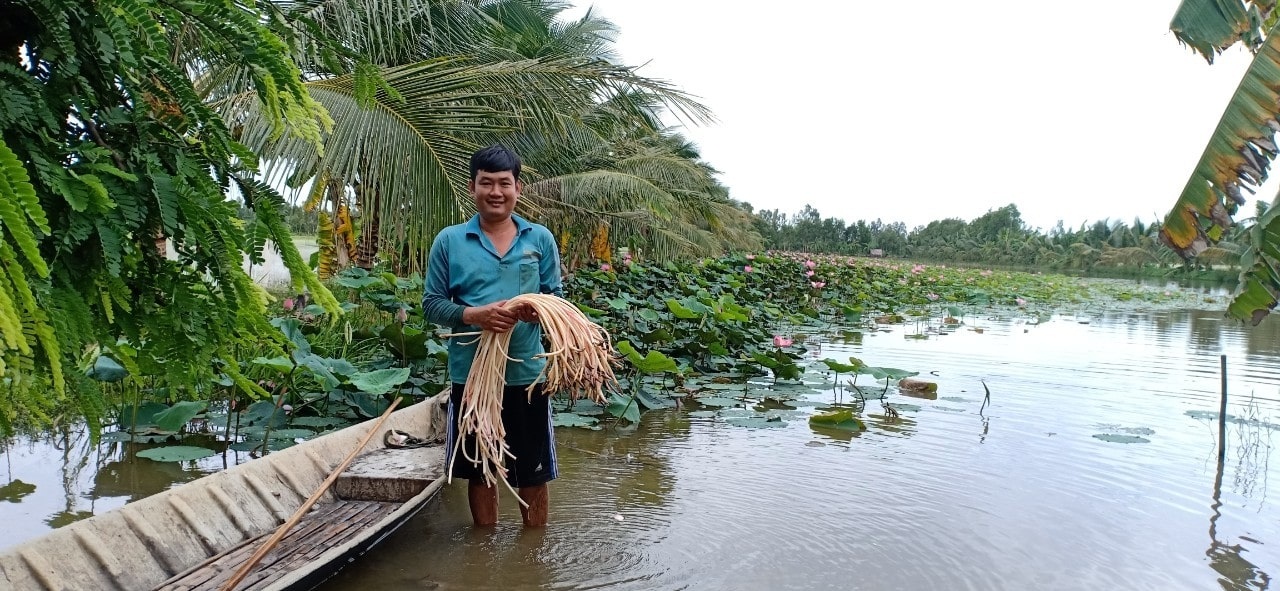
(1222, 414)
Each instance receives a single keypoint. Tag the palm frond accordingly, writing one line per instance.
(1210, 26)
(1259, 288)
(1236, 158)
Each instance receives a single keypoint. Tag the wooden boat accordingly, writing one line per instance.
(197, 535)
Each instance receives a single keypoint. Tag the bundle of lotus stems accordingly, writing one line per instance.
(579, 362)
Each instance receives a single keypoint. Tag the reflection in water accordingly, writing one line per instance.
(1227, 559)
(612, 498)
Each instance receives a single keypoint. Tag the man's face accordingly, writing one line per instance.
(495, 194)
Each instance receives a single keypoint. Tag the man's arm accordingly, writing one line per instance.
(549, 267)
(437, 305)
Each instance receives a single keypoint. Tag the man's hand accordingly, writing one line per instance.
(526, 313)
(493, 317)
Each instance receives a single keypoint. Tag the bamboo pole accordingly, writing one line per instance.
(1222, 414)
(306, 505)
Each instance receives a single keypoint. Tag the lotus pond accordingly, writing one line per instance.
(761, 439)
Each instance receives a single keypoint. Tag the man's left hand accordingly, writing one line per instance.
(526, 313)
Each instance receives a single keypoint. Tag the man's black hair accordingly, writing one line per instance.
(495, 158)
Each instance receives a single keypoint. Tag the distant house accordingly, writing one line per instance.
(877, 252)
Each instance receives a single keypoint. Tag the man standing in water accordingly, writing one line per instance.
(474, 268)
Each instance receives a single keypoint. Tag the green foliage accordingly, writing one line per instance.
(106, 148)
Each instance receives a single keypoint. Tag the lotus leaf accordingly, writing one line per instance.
(291, 434)
(145, 415)
(838, 419)
(318, 422)
(1116, 438)
(381, 381)
(176, 453)
(106, 369)
(173, 418)
(281, 364)
(624, 408)
(717, 401)
(568, 419)
(756, 422)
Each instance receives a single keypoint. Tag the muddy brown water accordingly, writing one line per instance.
(1021, 494)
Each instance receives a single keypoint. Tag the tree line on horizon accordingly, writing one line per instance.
(998, 237)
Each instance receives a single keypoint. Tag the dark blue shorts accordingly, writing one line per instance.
(529, 435)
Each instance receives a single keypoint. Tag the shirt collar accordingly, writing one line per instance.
(522, 225)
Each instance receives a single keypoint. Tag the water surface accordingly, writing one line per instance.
(1020, 496)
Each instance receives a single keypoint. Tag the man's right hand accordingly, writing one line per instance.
(493, 317)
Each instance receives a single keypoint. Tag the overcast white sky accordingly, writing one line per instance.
(915, 111)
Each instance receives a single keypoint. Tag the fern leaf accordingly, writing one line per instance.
(15, 175)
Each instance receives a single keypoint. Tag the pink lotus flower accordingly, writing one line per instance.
(287, 408)
(808, 273)
(986, 273)
(918, 269)
(605, 267)
(933, 297)
(751, 257)
(288, 304)
(818, 284)
(810, 264)
(402, 315)
(1020, 302)
(747, 268)
(781, 341)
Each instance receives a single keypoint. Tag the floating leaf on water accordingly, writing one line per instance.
(568, 419)
(803, 403)
(256, 444)
(318, 422)
(843, 419)
(1137, 430)
(1115, 438)
(728, 413)
(954, 399)
(717, 401)
(292, 433)
(902, 406)
(115, 437)
(585, 407)
(703, 414)
(724, 386)
(176, 453)
(948, 409)
(756, 422)
(651, 400)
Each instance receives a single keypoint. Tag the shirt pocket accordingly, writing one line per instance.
(529, 274)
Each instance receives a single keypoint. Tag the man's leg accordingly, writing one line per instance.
(538, 500)
(483, 501)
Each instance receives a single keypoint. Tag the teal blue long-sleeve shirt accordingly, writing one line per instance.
(465, 270)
